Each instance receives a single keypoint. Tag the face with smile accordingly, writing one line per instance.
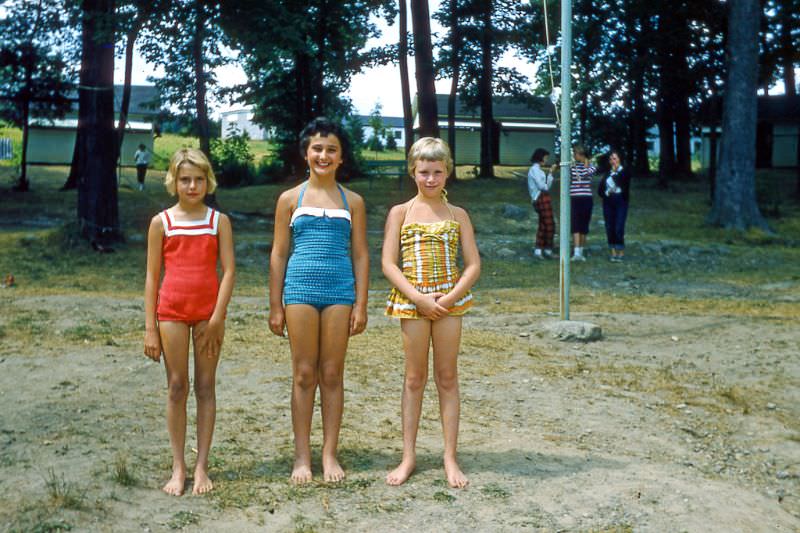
(613, 160)
(324, 155)
(191, 184)
(430, 177)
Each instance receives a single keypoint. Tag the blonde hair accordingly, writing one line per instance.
(194, 157)
(429, 149)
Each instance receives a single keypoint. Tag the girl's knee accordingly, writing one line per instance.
(204, 390)
(331, 377)
(415, 382)
(305, 377)
(178, 390)
(446, 379)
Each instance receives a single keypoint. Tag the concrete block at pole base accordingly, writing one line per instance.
(571, 330)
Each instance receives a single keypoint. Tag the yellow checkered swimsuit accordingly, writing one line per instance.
(430, 253)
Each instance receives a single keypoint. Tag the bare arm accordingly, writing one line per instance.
(360, 252)
(472, 260)
(426, 304)
(152, 340)
(277, 262)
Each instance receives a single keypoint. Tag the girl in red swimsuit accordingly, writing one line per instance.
(188, 240)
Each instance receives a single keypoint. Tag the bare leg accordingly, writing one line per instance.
(576, 240)
(175, 341)
(334, 334)
(416, 341)
(446, 334)
(302, 322)
(205, 375)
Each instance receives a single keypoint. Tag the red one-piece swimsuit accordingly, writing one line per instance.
(190, 249)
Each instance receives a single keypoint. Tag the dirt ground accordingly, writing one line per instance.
(669, 423)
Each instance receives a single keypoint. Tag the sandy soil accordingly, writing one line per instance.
(670, 423)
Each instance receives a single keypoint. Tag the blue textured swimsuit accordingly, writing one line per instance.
(320, 270)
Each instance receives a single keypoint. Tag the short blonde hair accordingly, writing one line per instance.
(194, 157)
(429, 149)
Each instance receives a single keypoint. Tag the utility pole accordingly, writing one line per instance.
(566, 155)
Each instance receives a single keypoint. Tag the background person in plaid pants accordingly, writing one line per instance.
(539, 186)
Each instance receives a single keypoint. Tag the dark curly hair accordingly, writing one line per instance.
(538, 155)
(324, 127)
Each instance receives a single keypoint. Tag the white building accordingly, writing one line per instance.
(390, 124)
(241, 121)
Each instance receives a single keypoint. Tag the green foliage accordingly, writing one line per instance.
(391, 140)
(62, 493)
(301, 57)
(122, 473)
(232, 159)
(182, 520)
(375, 142)
(34, 74)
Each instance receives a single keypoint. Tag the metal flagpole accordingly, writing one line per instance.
(566, 154)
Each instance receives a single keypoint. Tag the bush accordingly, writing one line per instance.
(269, 170)
(233, 160)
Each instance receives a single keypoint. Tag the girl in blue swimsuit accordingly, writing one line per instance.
(318, 273)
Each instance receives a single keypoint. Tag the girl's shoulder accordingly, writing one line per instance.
(157, 222)
(289, 196)
(459, 213)
(353, 198)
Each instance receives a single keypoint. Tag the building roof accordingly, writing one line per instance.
(72, 124)
(779, 108)
(505, 108)
(388, 122)
(775, 108)
(145, 100)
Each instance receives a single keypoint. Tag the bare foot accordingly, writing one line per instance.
(301, 473)
(455, 477)
(175, 484)
(332, 471)
(202, 483)
(399, 475)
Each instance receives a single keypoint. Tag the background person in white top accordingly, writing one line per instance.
(142, 160)
(539, 185)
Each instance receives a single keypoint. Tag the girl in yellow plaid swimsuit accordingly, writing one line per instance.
(430, 295)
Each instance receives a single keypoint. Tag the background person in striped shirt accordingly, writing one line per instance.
(580, 192)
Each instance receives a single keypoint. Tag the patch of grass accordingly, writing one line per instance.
(122, 473)
(37, 518)
(301, 525)
(443, 497)
(493, 490)
(182, 519)
(62, 493)
(735, 395)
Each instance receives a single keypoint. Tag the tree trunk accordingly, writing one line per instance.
(97, 183)
(666, 138)
(797, 161)
(455, 66)
(680, 76)
(485, 89)
(735, 204)
(423, 59)
(317, 79)
(126, 87)
(408, 125)
(642, 57)
(683, 135)
(200, 80)
(23, 184)
(788, 51)
(712, 144)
